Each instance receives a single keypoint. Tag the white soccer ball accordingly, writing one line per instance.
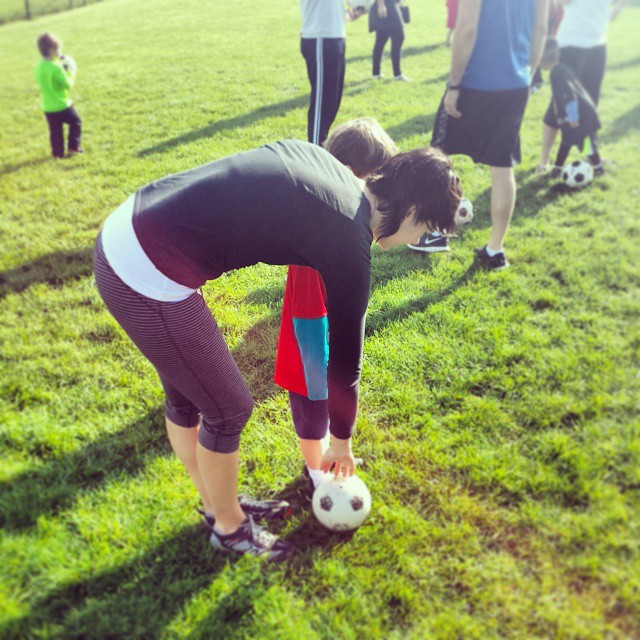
(68, 63)
(341, 504)
(577, 174)
(365, 5)
(464, 214)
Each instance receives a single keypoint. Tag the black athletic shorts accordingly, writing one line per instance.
(489, 129)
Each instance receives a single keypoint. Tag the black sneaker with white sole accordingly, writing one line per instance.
(431, 243)
(252, 539)
(494, 263)
(259, 510)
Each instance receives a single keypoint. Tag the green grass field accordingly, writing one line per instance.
(499, 412)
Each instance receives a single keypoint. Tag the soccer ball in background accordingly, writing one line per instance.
(68, 63)
(577, 174)
(364, 5)
(341, 504)
(464, 214)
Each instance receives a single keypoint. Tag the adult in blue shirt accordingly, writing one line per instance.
(497, 44)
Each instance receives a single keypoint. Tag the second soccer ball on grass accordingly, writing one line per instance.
(464, 214)
(577, 174)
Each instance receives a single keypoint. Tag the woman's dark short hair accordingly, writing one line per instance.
(422, 178)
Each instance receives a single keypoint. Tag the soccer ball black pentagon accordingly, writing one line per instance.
(341, 504)
(577, 174)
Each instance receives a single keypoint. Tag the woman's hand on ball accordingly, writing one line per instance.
(340, 457)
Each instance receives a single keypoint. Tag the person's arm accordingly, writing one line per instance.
(310, 325)
(463, 43)
(539, 33)
(347, 300)
(354, 14)
(564, 97)
(62, 78)
(617, 8)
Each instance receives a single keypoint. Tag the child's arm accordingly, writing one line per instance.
(564, 97)
(311, 328)
(64, 79)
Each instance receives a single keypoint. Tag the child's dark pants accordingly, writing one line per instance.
(594, 156)
(56, 122)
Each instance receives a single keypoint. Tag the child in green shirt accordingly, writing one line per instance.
(55, 74)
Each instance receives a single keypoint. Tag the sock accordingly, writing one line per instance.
(492, 252)
(316, 475)
(435, 234)
(226, 535)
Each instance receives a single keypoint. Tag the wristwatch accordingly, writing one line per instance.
(452, 87)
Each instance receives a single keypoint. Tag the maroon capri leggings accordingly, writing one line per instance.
(201, 379)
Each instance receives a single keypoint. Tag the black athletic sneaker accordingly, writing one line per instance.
(556, 172)
(495, 263)
(253, 540)
(259, 510)
(431, 243)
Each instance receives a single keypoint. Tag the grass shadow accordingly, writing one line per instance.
(33, 162)
(137, 599)
(382, 318)
(40, 492)
(406, 52)
(626, 64)
(54, 268)
(531, 189)
(277, 109)
(622, 125)
(417, 126)
(270, 295)
(255, 355)
(441, 79)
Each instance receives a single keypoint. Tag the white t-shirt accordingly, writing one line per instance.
(131, 264)
(584, 23)
(323, 19)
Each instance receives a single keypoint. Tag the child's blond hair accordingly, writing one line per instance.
(361, 144)
(47, 42)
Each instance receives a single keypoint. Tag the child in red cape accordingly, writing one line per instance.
(303, 346)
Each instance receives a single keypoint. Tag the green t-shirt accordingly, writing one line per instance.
(54, 84)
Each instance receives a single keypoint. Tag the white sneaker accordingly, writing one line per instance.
(377, 77)
(402, 78)
(541, 169)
